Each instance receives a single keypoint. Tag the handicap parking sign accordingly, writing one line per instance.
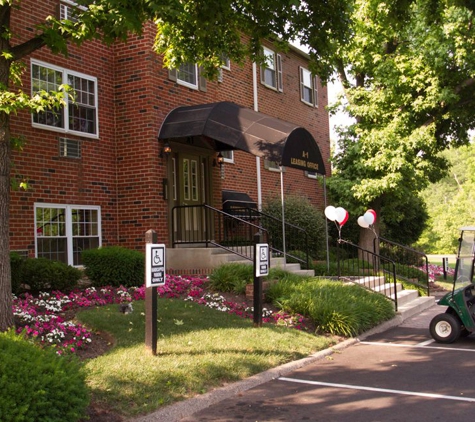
(155, 265)
(262, 259)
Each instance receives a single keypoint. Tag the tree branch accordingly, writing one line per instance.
(27, 47)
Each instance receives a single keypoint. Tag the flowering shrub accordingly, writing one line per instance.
(436, 271)
(45, 317)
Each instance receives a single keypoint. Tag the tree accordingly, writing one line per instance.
(408, 72)
(200, 31)
(450, 202)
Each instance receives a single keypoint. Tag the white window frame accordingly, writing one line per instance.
(65, 73)
(68, 208)
(311, 174)
(200, 82)
(273, 63)
(225, 66)
(65, 9)
(230, 158)
(273, 166)
(308, 83)
(179, 81)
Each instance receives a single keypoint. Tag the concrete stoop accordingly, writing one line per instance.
(278, 263)
(203, 260)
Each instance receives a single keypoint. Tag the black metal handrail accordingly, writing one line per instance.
(367, 269)
(406, 260)
(208, 226)
(296, 238)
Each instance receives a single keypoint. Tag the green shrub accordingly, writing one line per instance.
(38, 385)
(16, 262)
(231, 277)
(301, 213)
(43, 274)
(321, 268)
(114, 266)
(334, 307)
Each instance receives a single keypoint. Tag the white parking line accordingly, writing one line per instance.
(377, 390)
(421, 345)
(425, 343)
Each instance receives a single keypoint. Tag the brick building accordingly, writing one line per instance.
(97, 172)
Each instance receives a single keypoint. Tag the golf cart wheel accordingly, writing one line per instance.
(445, 328)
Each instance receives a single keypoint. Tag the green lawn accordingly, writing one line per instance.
(198, 349)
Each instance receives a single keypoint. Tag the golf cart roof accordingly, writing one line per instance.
(467, 228)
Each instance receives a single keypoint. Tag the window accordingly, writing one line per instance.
(308, 87)
(76, 116)
(64, 231)
(226, 66)
(68, 9)
(228, 156)
(188, 75)
(311, 174)
(271, 72)
(273, 166)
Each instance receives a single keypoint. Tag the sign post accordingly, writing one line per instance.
(154, 277)
(261, 268)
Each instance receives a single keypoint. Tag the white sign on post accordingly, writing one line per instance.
(155, 265)
(262, 259)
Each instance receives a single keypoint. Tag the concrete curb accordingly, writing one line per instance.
(177, 411)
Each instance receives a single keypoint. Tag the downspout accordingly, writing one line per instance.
(258, 159)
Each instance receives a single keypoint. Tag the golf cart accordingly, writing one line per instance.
(459, 318)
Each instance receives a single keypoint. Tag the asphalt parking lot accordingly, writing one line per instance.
(398, 375)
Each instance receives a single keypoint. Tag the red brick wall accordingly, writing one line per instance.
(89, 181)
(121, 170)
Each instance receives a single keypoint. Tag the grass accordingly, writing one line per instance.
(198, 349)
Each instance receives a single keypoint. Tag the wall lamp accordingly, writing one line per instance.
(220, 160)
(166, 150)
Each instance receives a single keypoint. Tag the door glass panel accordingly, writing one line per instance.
(186, 179)
(194, 180)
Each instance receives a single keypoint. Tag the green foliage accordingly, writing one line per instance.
(301, 213)
(114, 266)
(337, 308)
(410, 100)
(450, 202)
(43, 274)
(37, 385)
(231, 277)
(321, 268)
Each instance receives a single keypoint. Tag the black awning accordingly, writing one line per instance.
(235, 200)
(233, 127)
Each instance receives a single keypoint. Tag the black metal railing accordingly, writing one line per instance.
(367, 269)
(235, 230)
(296, 238)
(207, 226)
(412, 266)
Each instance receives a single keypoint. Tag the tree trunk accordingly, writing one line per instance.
(367, 236)
(6, 310)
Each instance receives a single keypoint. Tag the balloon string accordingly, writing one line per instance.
(339, 229)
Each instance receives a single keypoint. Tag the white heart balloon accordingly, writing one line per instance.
(340, 213)
(369, 217)
(330, 212)
(362, 222)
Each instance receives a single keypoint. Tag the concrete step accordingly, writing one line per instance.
(277, 263)
(415, 306)
(405, 296)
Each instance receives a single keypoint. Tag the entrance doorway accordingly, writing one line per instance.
(190, 186)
